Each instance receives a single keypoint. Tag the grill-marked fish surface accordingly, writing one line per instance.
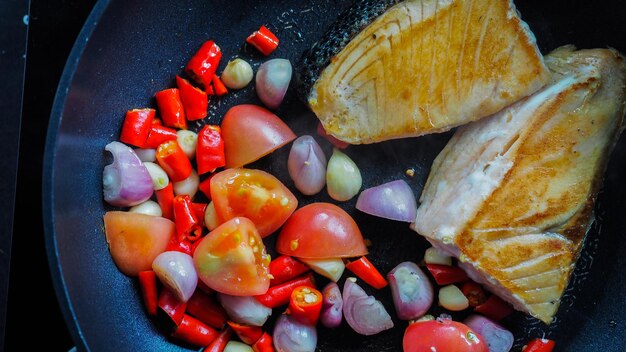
(419, 66)
(512, 195)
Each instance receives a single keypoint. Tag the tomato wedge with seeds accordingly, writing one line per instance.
(253, 194)
(321, 230)
(442, 335)
(232, 259)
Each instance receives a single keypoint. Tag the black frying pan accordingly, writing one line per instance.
(128, 50)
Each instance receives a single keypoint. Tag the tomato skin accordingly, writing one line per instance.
(251, 132)
(442, 335)
(226, 259)
(321, 230)
(253, 194)
(136, 239)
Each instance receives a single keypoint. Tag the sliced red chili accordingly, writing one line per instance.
(334, 141)
(474, 293)
(169, 303)
(203, 64)
(365, 270)
(539, 345)
(205, 187)
(184, 246)
(445, 274)
(195, 100)
(210, 149)
(136, 127)
(198, 210)
(494, 308)
(207, 310)
(173, 160)
(148, 283)
(264, 40)
(285, 268)
(158, 135)
(187, 225)
(171, 108)
(305, 305)
(248, 334)
(193, 331)
(165, 198)
(279, 295)
(264, 344)
(219, 344)
(219, 87)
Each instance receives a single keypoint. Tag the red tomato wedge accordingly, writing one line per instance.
(136, 239)
(232, 259)
(253, 194)
(442, 335)
(321, 230)
(251, 132)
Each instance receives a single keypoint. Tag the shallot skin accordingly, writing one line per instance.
(307, 165)
(176, 271)
(272, 81)
(365, 315)
(332, 306)
(292, 336)
(498, 338)
(126, 181)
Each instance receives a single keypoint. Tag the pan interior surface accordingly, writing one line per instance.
(129, 50)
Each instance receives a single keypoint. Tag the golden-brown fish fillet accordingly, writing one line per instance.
(426, 66)
(512, 195)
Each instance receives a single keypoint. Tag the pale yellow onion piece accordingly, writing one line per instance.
(435, 255)
(148, 207)
(159, 177)
(343, 178)
(187, 140)
(451, 298)
(330, 268)
(236, 346)
(210, 217)
(187, 186)
(237, 74)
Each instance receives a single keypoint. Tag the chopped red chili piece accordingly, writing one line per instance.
(184, 246)
(248, 334)
(198, 210)
(148, 283)
(218, 85)
(195, 332)
(173, 160)
(195, 100)
(203, 64)
(169, 303)
(305, 305)
(210, 149)
(187, 225)
(494, 308)
(279, 295)
(539, 345)
(285, 268)
(207, 310)
(264, 40)
(136, 127)
(445, 274)
(219, 344)
(171, 108)
(205, 187)
(365, 270)
(158, 135)
(264, 344)
(165, 197)
(474, 293)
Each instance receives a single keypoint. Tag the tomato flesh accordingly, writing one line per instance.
(253, 194)
(251, 132)
(136, 239)
(232, 259)
(321, 230)
(442, 335)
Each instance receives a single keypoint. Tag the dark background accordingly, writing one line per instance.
(53, 27)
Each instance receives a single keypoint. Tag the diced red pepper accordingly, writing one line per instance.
(173, 160)
(184, 246)
(366, 271)
(205, 187)
(305, 305)
(248, 334)
(264, 344)
(279, 295)
(219, 87)
(169, 303)
(285, 268)
(494, 308)
(136, 127)
(264, 40)
(195, 100)
(539, 345)
(193, 331)
(187, 225)
(158, 135)
(165, 197)
(474, 293)
(219, 344)
(210, 149)
(203, 64)
(207, 310)
(445, 274)
(148, 283)
(198, 210)
(171, 108)
(334, 141)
